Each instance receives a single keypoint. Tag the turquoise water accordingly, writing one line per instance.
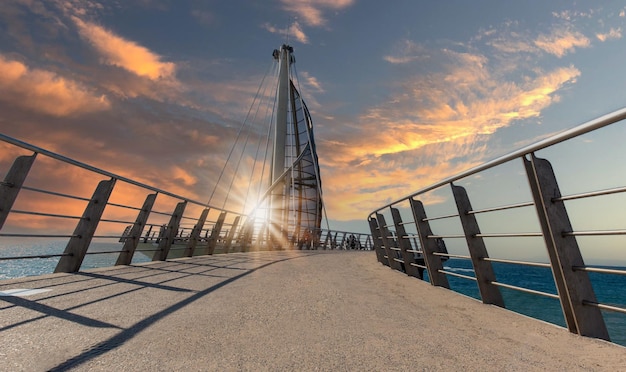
(609, 289)
(39, 266)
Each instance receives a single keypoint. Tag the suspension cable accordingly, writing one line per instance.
(243, 125)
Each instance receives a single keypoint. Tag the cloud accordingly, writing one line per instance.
(311, 82)
(407, 51)
(117, 51)
(45, 91)
(312, 11)
(437, 120)
(561, 41)
(614, 33)
(294, 31)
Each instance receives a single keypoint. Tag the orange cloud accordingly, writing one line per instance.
(614, 33)
(562, 41)
(125, 54)
(46, 92)
(431, 127)
(294, 31)
(312, 10)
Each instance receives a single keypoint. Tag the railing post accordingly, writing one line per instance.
(376, 240)
(405, 244)
(170, 233)
(77, 247)
(130, 243)
(429, 246)
(485, 275)
(387, 242)
(231, 234)
(195, 234)
(343, 240)
(573, 287)
(12, 184)
(325, 246)
(215, 234)
(245, 235)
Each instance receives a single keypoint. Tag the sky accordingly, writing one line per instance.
(403, 93)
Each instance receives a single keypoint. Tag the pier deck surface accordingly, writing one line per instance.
(274, 311)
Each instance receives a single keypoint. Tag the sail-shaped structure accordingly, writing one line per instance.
(296, 203)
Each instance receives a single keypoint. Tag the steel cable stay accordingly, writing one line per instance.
(239, 132)
(245, 144)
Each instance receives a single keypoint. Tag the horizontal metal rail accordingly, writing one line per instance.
(525, 263)
(605, 307)
(600, 270)
(595, 233)
(418, 265)
(115, 221)
(123, 206)
(509, 235)
(457, 275)
(54, 192)
(502, 208)
(452, 255)
(526, 290)
(44, 214)
(440, 217)
(37, 235)
(592, 193)
(105, 252)
(34, 256)
(454, 236)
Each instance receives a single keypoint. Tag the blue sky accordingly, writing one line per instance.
(402, 93)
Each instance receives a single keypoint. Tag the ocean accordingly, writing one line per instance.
(609, 289)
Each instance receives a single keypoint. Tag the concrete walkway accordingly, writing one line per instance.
(290, 311)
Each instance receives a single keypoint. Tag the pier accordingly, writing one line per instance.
(184, 284)
(290, 310)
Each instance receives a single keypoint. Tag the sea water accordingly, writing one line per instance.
(39, 266)
(609, 289)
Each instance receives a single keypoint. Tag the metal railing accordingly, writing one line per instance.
(43, 197)
(410, 237)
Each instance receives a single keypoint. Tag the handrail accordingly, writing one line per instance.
(574, 288)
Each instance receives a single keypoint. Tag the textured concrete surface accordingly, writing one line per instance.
(288, 311)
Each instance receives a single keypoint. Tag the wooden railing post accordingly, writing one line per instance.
(405, 244)
(326, 240)
(165, 243)
(231, 234)
(215, 234)
(387, 242)
(574, 287)
(13, 181)
(485, 275)
(76, 248)
(429, 246)
(130, 242)
(195, 234)
(376, 241)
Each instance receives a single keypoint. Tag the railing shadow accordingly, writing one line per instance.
(128, 333)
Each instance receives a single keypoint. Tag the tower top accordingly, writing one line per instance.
(285, 47)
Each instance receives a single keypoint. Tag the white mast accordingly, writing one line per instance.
(277, 212)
